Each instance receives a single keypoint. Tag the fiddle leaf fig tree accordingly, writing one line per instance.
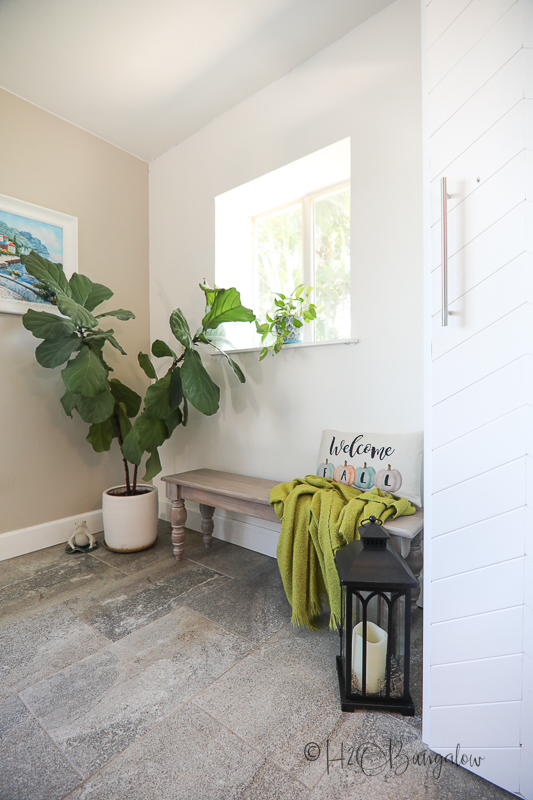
(111, 408)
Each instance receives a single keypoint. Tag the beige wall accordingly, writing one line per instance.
(47, 470)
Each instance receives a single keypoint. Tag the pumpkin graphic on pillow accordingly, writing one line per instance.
(388, 480)
(325, 470)
(345, 474)
(364, 477)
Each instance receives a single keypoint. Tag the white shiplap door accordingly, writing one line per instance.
(479, 389)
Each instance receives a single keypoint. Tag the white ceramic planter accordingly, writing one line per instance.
(130, 523)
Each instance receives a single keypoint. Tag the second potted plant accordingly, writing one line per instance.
(285, 324)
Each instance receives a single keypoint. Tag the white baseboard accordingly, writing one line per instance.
(254, 534)
(37, 537)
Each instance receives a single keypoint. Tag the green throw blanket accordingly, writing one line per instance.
(319, 516)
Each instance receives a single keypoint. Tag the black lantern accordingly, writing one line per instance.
(375, 631)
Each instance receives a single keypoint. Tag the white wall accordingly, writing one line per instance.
(366, 86)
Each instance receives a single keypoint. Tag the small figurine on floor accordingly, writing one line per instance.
(82, 540)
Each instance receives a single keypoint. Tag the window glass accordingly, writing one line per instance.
(278, 248)
(332, 266)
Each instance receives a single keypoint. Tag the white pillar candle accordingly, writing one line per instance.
(376, 655)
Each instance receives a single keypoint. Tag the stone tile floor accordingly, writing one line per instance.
(133, 677)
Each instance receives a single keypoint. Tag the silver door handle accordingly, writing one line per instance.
(444, 239)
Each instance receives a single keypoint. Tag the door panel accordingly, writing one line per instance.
(473, 637)
(488, 154)
(479, 432)
(479, 592)
(479, 545)
(475, 310)
(468, 410)
(479, 498)
(476, 67)
(503, 91)
(492, 680)
(480, 725)
(489, 350)
(475, 454)
(455, 41)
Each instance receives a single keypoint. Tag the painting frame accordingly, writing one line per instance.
(39, 215)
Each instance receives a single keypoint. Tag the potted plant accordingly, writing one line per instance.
(284, 326)
(112, 409)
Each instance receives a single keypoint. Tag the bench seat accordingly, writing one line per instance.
(215, 489)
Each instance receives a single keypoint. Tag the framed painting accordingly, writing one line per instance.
(25, 227)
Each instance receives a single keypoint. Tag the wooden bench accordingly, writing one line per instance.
(213, 489)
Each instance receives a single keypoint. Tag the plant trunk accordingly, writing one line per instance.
(126, 465)
(127, 472)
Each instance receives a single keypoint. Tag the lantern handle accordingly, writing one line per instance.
(371, 520)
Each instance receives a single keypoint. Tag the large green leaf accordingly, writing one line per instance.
(151, 432)
(78, 314)
(97, 408)
(119, 313)
(157, 399)
(120, 414)
(86, 293)
(98, 338)
(53, 352)
(176, 390)
(97, 343)
(153, 466)
(235, 367)
(161, 349)
(175, 419)
(113, 341)
(123, 394)
(101, 435)
(147, 366)
(44, 325)
(108, 337)
(131, 448)
(180, 328)
(85, 375)
(47, 272)
(185, 412)
(227, 307)
(198, 387)
(210, 294)
(68, 401)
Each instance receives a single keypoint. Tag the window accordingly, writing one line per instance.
(307, 242)
(288, 227)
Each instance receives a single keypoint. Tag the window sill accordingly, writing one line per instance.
(291, 346)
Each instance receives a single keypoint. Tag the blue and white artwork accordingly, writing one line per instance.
(26, 227)
(19, 235)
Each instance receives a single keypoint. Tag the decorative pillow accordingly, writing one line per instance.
(392, 462)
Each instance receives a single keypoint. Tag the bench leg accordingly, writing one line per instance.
(415, 560)
(207, 523)
(178, 517)
(411, 550)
